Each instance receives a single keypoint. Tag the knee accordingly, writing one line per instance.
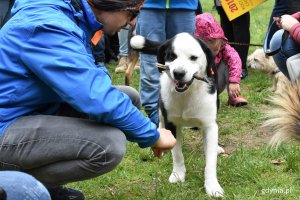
(18, 185)
(276, 40)
(116, 150)
(110, 152)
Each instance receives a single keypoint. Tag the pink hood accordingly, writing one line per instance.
(207, 27)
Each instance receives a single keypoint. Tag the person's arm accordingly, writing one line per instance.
(291, 24)
(235, 68)
(56, 55)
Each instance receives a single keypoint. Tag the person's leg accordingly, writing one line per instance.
(280, 8)
(179, 21)
(18, 185)
(58, 150)
(123, 51)
(132, 94)
(241, 34)
(225, 24)
(288, 49)
(123, 41)
(150, 24)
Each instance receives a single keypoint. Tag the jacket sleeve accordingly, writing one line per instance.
(295, 30)
(56, 54)
(234, 62)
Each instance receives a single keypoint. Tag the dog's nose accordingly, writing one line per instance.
(179, 74)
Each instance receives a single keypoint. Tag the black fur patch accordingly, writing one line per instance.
(168, 125)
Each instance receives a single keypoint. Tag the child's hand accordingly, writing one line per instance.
(234, 90)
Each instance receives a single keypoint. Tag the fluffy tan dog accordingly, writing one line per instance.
(259, 61)
(284, 120)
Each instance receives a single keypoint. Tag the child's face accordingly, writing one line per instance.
(215, 45)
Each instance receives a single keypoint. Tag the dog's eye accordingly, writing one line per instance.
(172, 56)
(193, 58)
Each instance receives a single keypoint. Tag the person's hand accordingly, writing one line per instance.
(234, 90)
(286, 22)
(165, 143)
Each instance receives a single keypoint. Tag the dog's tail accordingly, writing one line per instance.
(140, 43)
(284, 120)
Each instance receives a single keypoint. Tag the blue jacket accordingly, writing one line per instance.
(45, 59)
(171, 4)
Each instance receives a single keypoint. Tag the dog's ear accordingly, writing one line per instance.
(141, 44)
(163, 50)
(211, 66)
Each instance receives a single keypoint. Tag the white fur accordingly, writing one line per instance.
(193, 107)
(137, 42)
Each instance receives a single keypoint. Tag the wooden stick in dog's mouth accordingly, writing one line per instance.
(162, 67)
(166, 68)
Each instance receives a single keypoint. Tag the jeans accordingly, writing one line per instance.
(18, 185)
(62, 149)
(158, 25)
(288, 49)
(123, 42)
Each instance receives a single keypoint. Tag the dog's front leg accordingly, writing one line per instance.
(178, 173)
(212, 185)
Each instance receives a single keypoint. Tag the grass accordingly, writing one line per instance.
(247, 170)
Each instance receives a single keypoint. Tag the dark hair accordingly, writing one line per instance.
(117, 5)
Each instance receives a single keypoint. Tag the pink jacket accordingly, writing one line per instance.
(206, 28)
(295, 30)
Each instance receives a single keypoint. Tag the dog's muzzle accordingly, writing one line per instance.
(179, 85)
(182, 86)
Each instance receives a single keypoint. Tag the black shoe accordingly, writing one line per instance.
(63, 193)
(244, 73)
(2, 194)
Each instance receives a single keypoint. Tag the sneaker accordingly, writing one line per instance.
(63, 193)
(244, 73)
(123, 64)
(237, 102)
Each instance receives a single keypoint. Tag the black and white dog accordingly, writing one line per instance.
(188, 97)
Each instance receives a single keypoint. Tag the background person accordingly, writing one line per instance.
(159, 21)
(291, 45)
(237, 31)
(227, 59)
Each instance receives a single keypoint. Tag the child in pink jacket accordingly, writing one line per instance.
(228, 62)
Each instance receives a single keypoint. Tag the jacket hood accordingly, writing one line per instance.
(207, 27)
(20, 4)
(86, 14)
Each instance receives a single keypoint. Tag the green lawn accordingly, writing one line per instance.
(247, 171)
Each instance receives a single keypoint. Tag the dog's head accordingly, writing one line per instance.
(185, 56)
(258, 60)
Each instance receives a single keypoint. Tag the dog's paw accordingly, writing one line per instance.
(177, 177)
(220, 150)
(213, 189)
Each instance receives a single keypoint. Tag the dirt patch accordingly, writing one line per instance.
(258, 137)
(250, 139)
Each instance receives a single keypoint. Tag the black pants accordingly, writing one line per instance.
(238, 31)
